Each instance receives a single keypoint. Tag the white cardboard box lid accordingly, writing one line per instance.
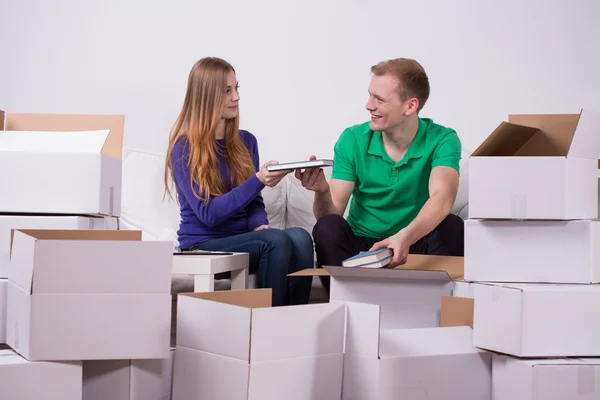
(417, 266)
(363, 323)
(25, 241)
(90, 142)
(425, 342)
(548, 135)
(269, 333)
(70, 122)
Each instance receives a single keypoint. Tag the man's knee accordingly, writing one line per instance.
(450, 235)
(328, 228)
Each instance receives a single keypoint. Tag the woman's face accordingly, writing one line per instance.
(232, 97)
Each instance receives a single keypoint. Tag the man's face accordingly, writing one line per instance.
(385, 106)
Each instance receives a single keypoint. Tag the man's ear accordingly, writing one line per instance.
(412, 106)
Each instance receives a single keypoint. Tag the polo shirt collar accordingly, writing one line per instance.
(415, 150)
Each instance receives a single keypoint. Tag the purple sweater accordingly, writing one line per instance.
(240, 210)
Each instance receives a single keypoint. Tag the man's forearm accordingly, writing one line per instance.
(323, 204)
(434, 211)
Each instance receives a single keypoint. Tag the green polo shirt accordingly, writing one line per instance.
(387, 196)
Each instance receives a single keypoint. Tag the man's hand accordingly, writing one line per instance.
(399, 245)
(262, 227)
(313, 178)
(270, 179)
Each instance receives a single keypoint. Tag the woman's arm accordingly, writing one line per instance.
(218, 209)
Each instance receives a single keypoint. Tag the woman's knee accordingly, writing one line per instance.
(277, 239)
(300, 238)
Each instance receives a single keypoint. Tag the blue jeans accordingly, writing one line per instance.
(274, 254)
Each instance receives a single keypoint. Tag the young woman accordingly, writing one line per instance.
(215, 168)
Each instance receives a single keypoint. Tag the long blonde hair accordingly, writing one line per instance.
(198, 120)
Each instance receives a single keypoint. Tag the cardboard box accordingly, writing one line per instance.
(89, 295)
(21, 379)
(11, 221)
(429, 363)
(532, 251)
(550, 379)
(79, 158)
(537, 320)
(234, 345)
(537, 167)
(3, 299)
(409, 295)
(128, 379)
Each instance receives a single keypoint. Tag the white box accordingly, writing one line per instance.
(152, 379)
(106, 379)
(537, 320)
(532, 251)
(81, 295)
(550, 379)
(3, 295)
(234, 345)
(409, 295)
(24, 380)
(537, 167)
(61, 164)
(462, 289)
(9, 222)
(417, 364)
(128, 379)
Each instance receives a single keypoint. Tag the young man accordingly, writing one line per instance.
(401, 170)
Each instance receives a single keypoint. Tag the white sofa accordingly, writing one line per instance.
(288, 204)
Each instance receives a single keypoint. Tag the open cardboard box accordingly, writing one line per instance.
(22, 379)
(532, 251)
(545, 320)
(234, 345)
(61, 164)
(537, 167)
(13, 221)
(409, 295)
(81, 295)
(428, 363)
(532, 379)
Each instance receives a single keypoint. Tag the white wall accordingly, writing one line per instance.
(303, 65)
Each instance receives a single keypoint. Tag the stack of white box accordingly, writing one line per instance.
(532, 247)
(86, 306)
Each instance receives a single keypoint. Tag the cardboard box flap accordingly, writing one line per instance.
(81, 234)
(363, 323)
(446, 266)
(505, 141)
(457, 311)
(1, 119)
(586, 140)
(53, 142)
(424, 342)
(254, 298)
(573, 135)
(72, 122)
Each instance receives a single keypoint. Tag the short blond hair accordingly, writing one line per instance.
(412, 79)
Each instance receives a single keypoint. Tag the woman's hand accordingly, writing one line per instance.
(271, 179)
(262, 227)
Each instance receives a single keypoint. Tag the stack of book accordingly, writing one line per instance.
(370, 259)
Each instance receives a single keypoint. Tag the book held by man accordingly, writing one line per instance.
(369, 259)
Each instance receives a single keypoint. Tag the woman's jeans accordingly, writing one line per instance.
(274, 254)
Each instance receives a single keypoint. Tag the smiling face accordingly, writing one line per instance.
(387, 109)
(232, 97)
